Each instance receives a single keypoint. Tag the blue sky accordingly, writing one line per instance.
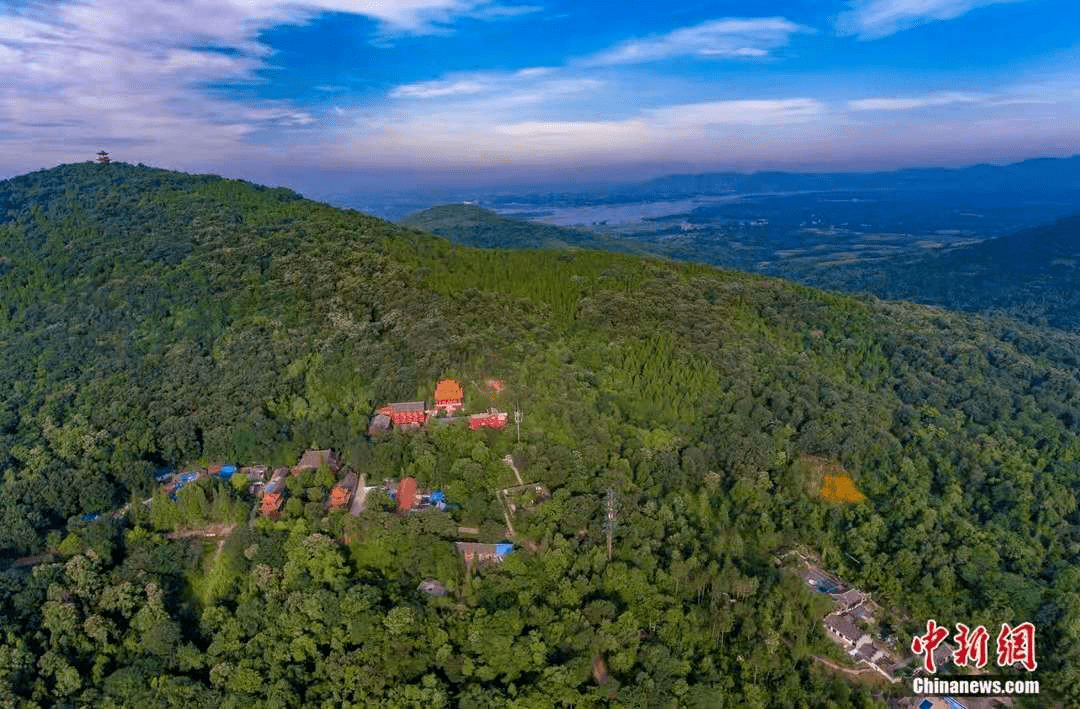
(328, 94)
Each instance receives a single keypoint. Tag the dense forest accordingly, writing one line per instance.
(475, 226)
(151, 319)
(1031, 274)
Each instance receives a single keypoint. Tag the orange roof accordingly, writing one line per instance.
(448, 389)
(271, 502)
(339, 496)
(406, 494)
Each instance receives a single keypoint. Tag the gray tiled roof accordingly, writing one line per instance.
(843, 626)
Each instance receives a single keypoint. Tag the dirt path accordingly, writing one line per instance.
(217, 554)
(210, 530)
(509, 460)
(506, 515)
(846, 670)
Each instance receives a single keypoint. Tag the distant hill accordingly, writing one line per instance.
(475, 226)
(1033, 274)
(1048, 176)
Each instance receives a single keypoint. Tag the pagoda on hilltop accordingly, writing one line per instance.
(103, 157)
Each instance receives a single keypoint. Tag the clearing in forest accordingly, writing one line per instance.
(836, 484)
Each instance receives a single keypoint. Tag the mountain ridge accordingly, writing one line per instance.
(476, 226)
(1031, 274)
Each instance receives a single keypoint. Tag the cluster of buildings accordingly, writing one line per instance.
(854, 609)
(410, 498)
(269, 486)
(174, 482)
(449, 399)
(349, 492)
(273, 492)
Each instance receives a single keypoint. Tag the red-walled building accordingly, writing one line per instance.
(448, 395)
(406, 412)
(406, 494)
(492, 419)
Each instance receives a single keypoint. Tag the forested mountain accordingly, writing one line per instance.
(1049, 177)
(475, 226)
(1033, 274)
(151, 318)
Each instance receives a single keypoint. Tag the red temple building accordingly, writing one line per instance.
(342, 493)
(272, 502)
(448, 395)
(406, 412)
(406, 494)
(492, 419)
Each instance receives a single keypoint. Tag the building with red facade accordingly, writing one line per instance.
(407, 412)
(492, 419)
(406, 494)
(449, 396)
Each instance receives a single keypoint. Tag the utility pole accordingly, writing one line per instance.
(517, 423)
(609, 525)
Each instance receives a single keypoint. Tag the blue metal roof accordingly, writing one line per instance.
(953, 704)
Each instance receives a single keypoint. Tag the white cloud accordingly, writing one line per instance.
(84, 74)
(438, 89)
(533, 71)
(731, 37)
(474, 134)
(529, 85)
(873, 19)
(911, 103)
(740, 112)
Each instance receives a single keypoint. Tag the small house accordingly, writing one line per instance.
(943, 655)
(867, 652)
(449, 396)
(222, 471)
(483, 553)
(848, 599)
(862, 612)
(276, 484)
(181, 481)
(432, 588)
(273, 498)
(313, 460)
(255, 473)
(380, 423)
(844, 630)
(342, 493)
